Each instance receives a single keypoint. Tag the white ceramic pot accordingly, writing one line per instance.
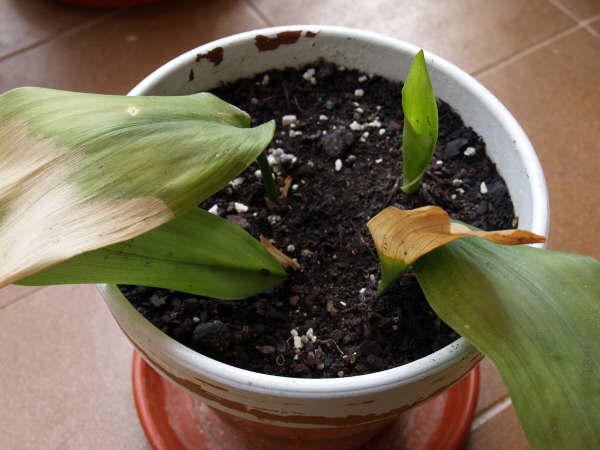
(353, 404)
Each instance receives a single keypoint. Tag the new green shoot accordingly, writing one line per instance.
(420, 131)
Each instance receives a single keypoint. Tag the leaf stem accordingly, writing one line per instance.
(267, 175)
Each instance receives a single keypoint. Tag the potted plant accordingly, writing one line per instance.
(345, 411)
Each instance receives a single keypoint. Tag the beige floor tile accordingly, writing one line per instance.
(500, 432)
(491, 387)
(553, 94)
(581, 9)
(470, 33)
(66, 371)
(112, 56)
(12, 293)
(23, 24)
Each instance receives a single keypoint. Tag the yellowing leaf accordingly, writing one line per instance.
(82, 171)
(403, 236)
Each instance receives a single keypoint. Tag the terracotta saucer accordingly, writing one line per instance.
(171, 420)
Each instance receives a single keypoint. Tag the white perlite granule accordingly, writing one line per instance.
(288, 119)
(277, 157)
(355, 126)
(338, 165)
(309, 76)
(214, 209)
(237, 181)
(483, 188)
(273, 219)
(359, 92)
(240, 207)
(374, 124)
(299, 341)
(298, 344)
(469, 151)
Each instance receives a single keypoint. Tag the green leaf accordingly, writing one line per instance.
(420, 132)
(198, 253)
(82, 171)
(391, 269)
(536, 314)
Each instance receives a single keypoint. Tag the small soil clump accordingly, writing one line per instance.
(339, 140)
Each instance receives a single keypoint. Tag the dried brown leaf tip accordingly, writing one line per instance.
(286, 187)
(281, 257)
(406, 235)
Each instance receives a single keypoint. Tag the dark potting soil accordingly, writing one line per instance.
(343, 153)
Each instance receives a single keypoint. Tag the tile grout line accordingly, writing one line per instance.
(580, 24)
(489, 413)
(62, 34)
(567, 12)
(584, 23)
(258, 12)
(528, 50)
(21, 298)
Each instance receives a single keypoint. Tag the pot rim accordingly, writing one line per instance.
(419, 369)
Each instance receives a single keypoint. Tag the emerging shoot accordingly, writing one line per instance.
(420, 132)
(271, 188)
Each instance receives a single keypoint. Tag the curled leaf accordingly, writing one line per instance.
(403, 236)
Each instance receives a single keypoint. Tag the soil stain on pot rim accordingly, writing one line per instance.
(265, 43)
(215, 56)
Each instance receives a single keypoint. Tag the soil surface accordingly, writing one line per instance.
(343, 153)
